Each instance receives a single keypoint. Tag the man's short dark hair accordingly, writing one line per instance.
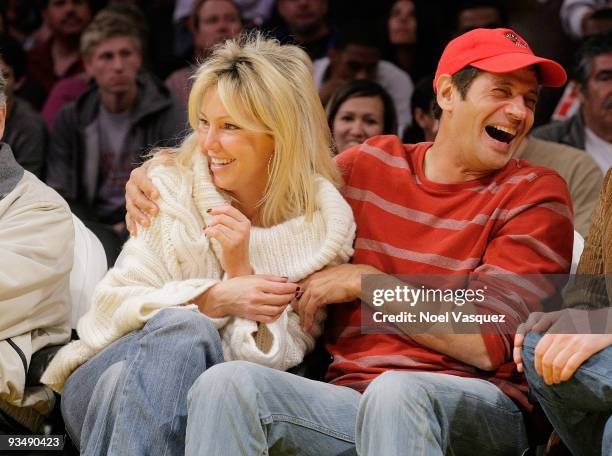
(13, 55)
(352, 34)
(462, 79)
(497, 5)
(590, 48)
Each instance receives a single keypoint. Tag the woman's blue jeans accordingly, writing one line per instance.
(131, 398)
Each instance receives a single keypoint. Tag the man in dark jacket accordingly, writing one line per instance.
(591, 127)
(97, 140)
(25, 130)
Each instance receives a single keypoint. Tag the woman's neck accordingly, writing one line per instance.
(249, 204)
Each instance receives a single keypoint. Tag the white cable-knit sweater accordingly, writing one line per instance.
(172, 262)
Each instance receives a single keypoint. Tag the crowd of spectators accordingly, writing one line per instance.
(93, 86)
(47, 59)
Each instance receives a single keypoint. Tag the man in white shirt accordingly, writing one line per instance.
(356, 55)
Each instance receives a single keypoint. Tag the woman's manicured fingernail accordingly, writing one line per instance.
(208, 210)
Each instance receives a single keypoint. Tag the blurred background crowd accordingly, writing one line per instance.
(94, 85)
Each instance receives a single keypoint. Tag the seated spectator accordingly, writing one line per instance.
(420, 209)
(213, 21)
(36, 247)
(63, 92)
(359, 110)
(187, 297)
(305, 24)
(590, 128)
(21, 19)
(580, 171)
(356, 55)
(58, 56)
(97, 140)
(71, 88)
(571, 374)
(25, 129)
(424, 123)
(409, 40)
(577, 169)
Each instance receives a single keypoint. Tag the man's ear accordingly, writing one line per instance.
(445, 92)
(2, 119)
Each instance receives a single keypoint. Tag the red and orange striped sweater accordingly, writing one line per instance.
(518, 220)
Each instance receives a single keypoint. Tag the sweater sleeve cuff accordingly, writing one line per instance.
(219, 322)
(134, 312)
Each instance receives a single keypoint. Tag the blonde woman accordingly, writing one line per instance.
(248, 207)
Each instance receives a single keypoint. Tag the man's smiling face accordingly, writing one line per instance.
(493, 118)
(596, 97)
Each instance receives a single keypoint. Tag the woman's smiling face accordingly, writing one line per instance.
(238, 158)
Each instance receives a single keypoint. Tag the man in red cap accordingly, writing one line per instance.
(460, 208)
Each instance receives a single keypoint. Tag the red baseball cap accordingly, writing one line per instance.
(496, 51)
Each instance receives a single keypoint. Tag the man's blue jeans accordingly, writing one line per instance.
(131, 398)
(240, 408)
(579, 409)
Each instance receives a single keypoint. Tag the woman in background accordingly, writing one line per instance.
(359, 110)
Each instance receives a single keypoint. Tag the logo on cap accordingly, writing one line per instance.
(516, 40)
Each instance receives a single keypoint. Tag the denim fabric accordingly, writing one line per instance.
(424, 413)
(131, 398)
(240, 408)
(580, 407)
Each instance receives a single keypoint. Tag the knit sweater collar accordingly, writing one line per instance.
(296, 247)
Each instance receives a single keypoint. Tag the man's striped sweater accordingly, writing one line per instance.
(516, 221)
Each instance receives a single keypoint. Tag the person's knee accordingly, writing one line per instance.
(74, 406)
(230, 379)
(395, 389)
(187, 322)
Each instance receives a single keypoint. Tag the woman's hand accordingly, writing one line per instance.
(232, 229)
(260, 298)
(140, 194)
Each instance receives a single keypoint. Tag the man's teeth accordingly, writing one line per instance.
(511, 131)
(500, 133)
(221, 161)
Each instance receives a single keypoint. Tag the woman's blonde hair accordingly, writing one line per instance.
(268, 87)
